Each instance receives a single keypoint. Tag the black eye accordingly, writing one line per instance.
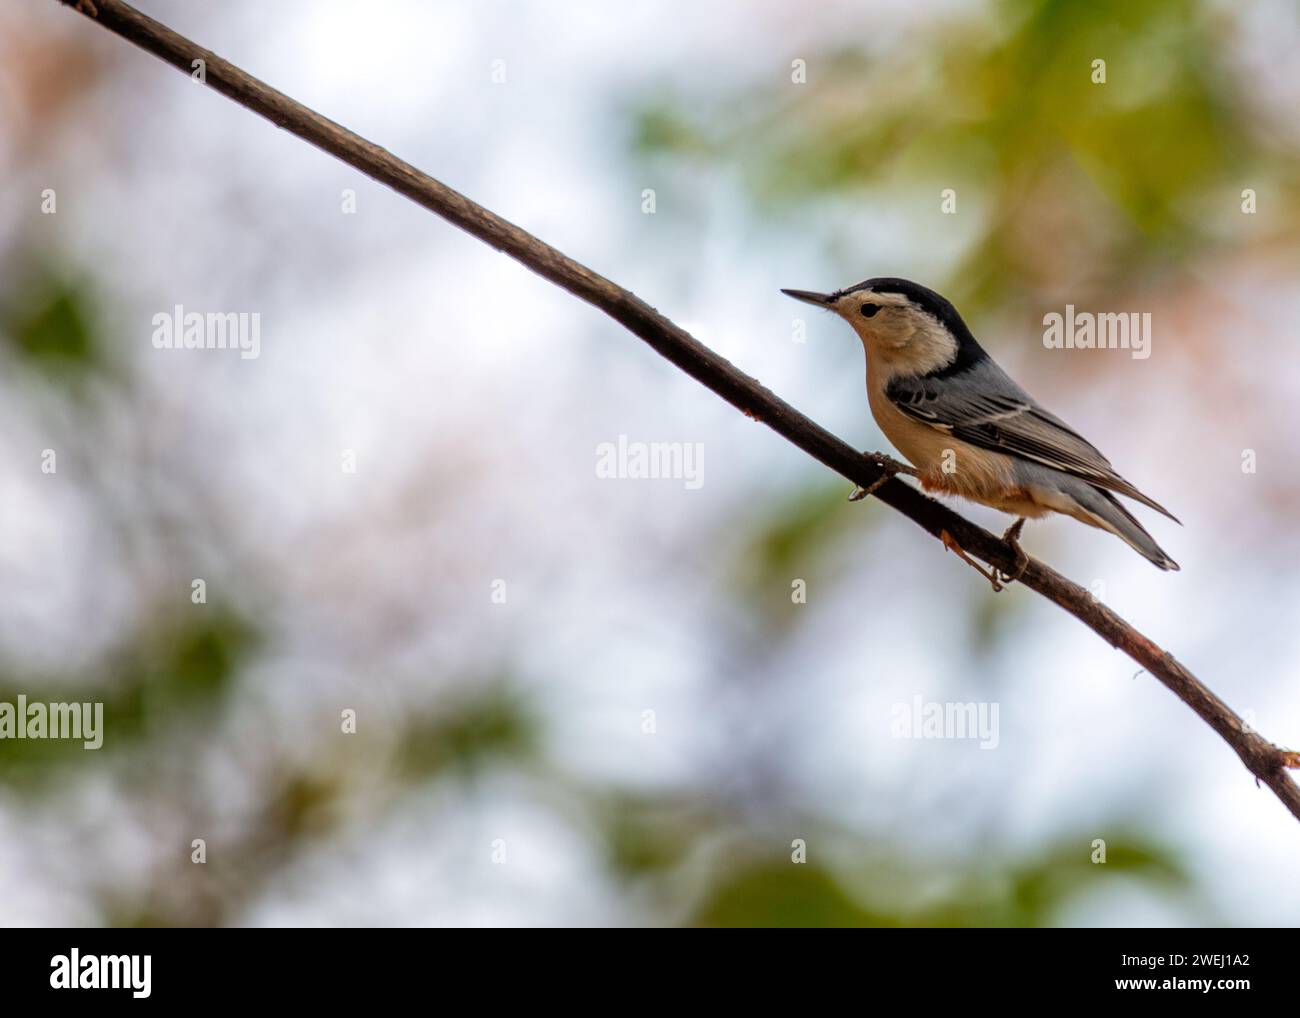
(869, 309)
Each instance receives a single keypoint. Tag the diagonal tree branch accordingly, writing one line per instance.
(1266, 761)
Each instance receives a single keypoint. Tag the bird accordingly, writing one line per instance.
(968, 429)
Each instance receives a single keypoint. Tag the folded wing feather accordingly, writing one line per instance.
(990, 411)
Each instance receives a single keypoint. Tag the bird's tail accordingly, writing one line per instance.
(1108, 514)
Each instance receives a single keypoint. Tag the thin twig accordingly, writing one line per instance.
(1266, 761)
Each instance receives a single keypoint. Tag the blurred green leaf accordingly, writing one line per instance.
(796, 539)
(151, 688)
(783, 894)
(1032, 892)
(650, 836)
(469, 732)
(976, 892)
(53, 332)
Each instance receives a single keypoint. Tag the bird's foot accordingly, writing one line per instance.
(992, 575)
(891, 468)
(1012, 537)
(86, 7)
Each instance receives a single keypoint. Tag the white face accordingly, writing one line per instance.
(899, 336)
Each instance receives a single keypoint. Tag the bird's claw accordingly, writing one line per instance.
(997, 579)
(859, 493)
(891, 468)
(1012, 537)
(991, 575)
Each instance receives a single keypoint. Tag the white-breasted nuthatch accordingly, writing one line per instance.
(967, 427)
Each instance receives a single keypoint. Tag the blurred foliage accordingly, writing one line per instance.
(1067, 178)
(469, 732)
(50, 328)
(1018, 893)
(169, 677)
(796, 537)
(677, 845)
(784, 895)
(649, 836)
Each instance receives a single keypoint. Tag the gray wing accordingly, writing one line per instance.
(984, 407)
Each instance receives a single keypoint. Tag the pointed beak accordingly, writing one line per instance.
(821, 300)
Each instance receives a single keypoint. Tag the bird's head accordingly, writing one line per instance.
(904, 326)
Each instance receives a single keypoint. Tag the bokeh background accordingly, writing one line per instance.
(505, 768)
